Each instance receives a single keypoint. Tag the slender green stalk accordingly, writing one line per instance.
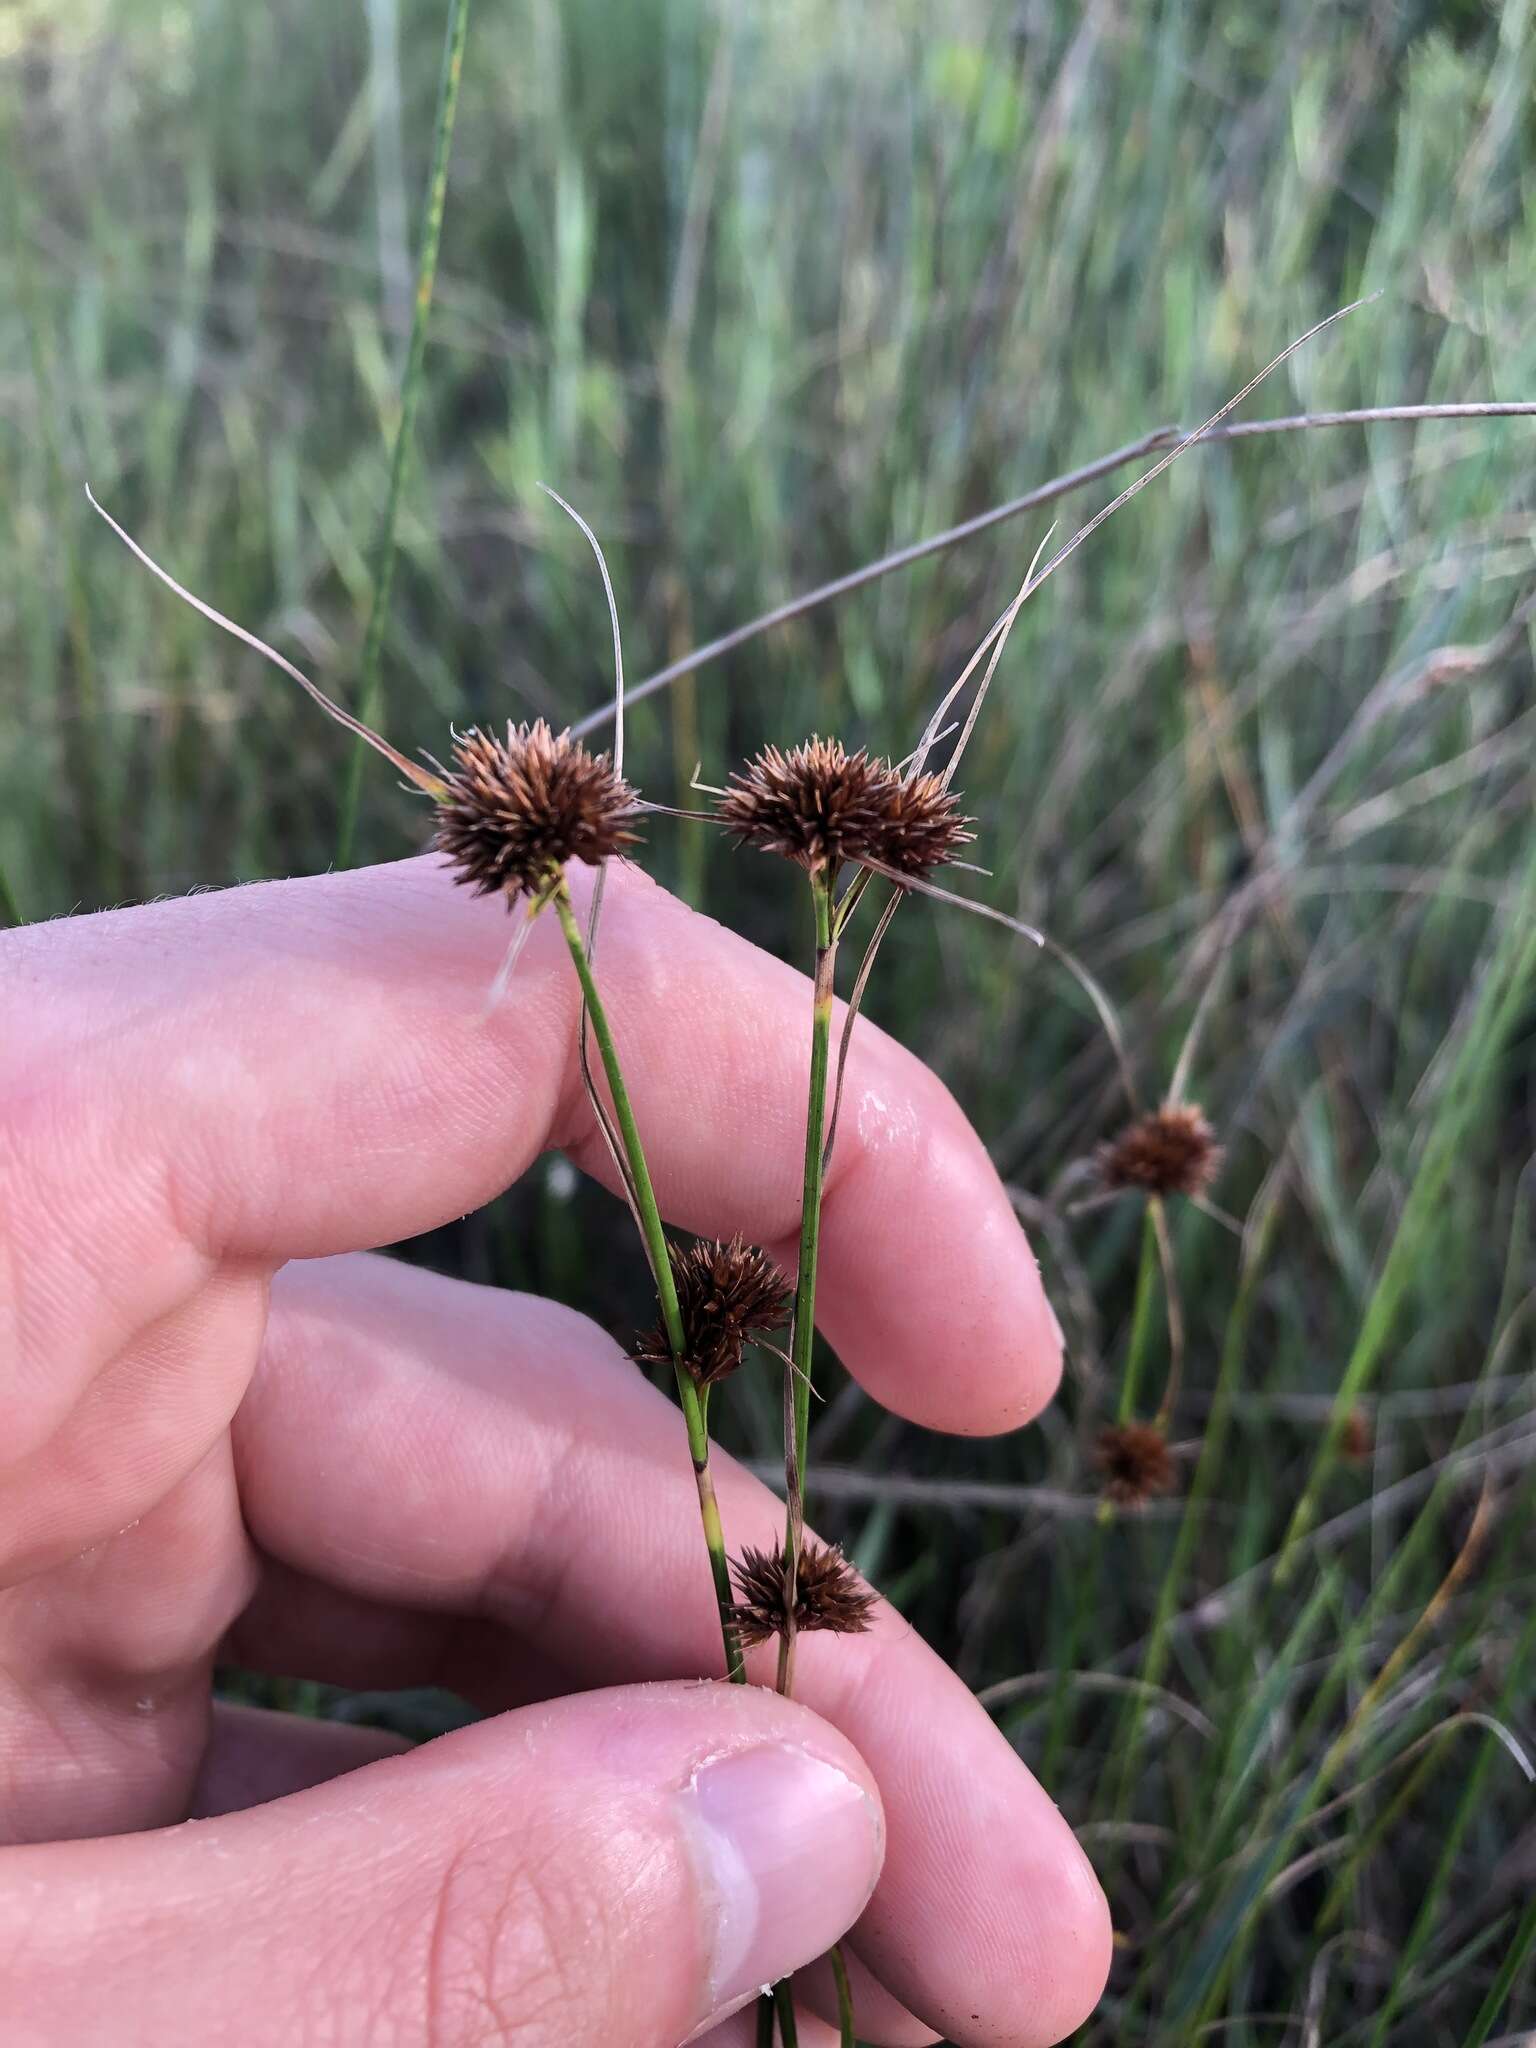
(1505, 991)
(661, 1269)
(765, 2019)
(784, 2006)
(1258, 1240)
(1142, 1319)
(1275, 1821)
(1515, 1958)
(844, 1998)
(797, 1401)
(370, 687)
(10, 908)
(1439, 1887)
(803, 1341)
(78, 682)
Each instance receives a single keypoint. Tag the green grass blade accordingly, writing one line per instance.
(1506, 989)
(1518, 1954)
(370, 688)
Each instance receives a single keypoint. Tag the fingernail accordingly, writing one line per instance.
(787, 1849)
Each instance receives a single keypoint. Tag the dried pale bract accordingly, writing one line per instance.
(517, 809)
(1170, 1151)
(726, 1293)
(819, 806)
(828, 1594)
(1135, 1462)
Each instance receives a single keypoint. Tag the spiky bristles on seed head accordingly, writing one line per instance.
(726, 1293)
(1170, 1151)
(517, 809)
(819, 805)
(828, 1594)
(1135, 1462)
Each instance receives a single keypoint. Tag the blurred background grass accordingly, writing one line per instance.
(768, 291)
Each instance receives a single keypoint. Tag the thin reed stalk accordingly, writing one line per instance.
(1516, 1956)
(1143, 1318)
(1503, 994)
(370, 684)
(1032, 501)
(803, 1337)
(691, 1397)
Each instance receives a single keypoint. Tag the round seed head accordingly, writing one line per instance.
(828, 1594)
(518, 808)
(819, 806)
(1170, 1151)
(1357, 1440)
(1135, 1462)
(726, 1292)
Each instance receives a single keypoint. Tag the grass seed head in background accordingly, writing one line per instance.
(1136, 1463)
(820, 806)
(518, 809)
(1357, 1439)
(1169, 1151)
(828, 1594)
(726, 1293)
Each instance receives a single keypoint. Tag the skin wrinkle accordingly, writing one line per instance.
(109, 1286)
(497, 1589)
(98, 1414)
(133, 1671)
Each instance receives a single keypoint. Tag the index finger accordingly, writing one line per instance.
(299, 1068)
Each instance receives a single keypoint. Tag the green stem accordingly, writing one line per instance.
(1143, 1319)
(661, 1270)
(847, 2038)
(410, 392)
(1504, 990)
(78, 684)
(10, 908)
(784, 2006)
(804, 1338)
(1515, 1957)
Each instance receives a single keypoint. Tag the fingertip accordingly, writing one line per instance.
(1078, 1933)
(1043, 1969)
(951, 1327)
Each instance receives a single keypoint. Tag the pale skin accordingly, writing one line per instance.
(230, 1433)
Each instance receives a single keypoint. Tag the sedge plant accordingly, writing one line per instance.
(513, 810)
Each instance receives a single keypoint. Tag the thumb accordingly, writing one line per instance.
(620, 1868)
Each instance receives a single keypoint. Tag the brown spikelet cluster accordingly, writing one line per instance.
(828, 1594)
(725, 1293)
(1135, 1462)
(1170, 1151)
(819, 806)
(1357, 1440)
(519, 808)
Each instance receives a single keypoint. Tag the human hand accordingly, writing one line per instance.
(368, 1475)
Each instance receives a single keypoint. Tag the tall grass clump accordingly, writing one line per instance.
(775, 297)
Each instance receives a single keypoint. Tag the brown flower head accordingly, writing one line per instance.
(1135, 1461)
(1170, 1151)
(725, 1292)
(1357, 1440)
(518, 808)
(819, 805)
(828, 1593)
